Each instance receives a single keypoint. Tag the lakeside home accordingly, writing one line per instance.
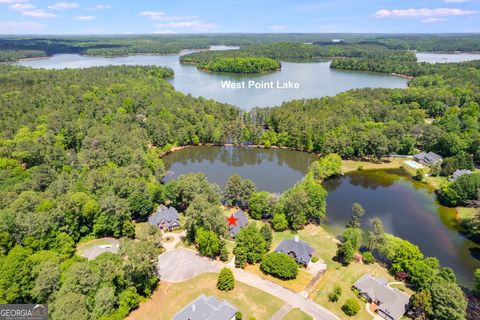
(207, 308)
(389, 303)
(165, 218)
(301, 251)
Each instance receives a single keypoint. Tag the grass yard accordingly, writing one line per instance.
(170, 298)
(345, 277)
(353, 165)
(297, 314)
(325, 245)
(297, 285)
(323, 242)
(93, 242)
(464, 213)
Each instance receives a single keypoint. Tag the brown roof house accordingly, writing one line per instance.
(391, 302)
(301, 251)
(165, 218)
(207, 308)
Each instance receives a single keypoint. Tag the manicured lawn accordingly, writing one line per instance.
(323, 242)
(172, 297)
(297, 314)
(464, 213)
(390, 163)
(325, 245)
(297, 285)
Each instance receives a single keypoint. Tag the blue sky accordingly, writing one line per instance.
(197, 16)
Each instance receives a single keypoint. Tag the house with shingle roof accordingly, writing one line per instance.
(242, 221)
(391, 303)
(458, 173)
(165, 218)
(428, 158)
(207, 308)
(301, 251)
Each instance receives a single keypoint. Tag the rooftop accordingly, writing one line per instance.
(207, 308)
(393, 302)
(298, 249)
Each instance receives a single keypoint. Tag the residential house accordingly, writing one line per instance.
(165, 218)
(390, 303)
(301, 251)
(459, 173)
(428, 158)
(207, 308)
(241, 222)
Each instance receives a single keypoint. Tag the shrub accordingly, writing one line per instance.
(368, 257)
(238, 315)
(314, 259)
(335, 294)
(351, 307)
(226, 281)
(279, 222)
(279, 265)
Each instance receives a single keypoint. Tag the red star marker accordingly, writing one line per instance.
(232, 221)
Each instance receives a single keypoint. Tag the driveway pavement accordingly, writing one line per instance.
(183, 264)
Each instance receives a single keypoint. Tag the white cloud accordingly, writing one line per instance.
(152, 14)
(63, 5)
(85, 18)
(19, 25)
(12, 1)
(100, 7)
(422, 13)
(21, 6)
(189, 24)
(432, 19)
(277, 27)
(39, 13)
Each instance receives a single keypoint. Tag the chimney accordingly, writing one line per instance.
(193, 307)
(295, 239)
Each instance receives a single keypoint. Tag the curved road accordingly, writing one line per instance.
(182, 264)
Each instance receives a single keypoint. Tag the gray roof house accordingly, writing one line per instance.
(165, 218)
(391, 303)
(207, 308)
(459, 173)
(429, 158)
(301, 251)
(242, 221)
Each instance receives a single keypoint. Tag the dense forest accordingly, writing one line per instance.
(165, 44)
(241, 65)
(80, 157)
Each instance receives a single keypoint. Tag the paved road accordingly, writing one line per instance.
(183, 264)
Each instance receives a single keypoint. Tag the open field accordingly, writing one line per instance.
(170, 298)
(297, 285)
(390, 163)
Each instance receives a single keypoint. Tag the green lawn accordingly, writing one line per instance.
(298, 284)
(172, 297)
(297, 314)
(353, 165)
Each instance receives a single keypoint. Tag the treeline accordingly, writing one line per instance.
(292, 51)
(443, 42)
(241, 65)
(14, 55)
(80, 158)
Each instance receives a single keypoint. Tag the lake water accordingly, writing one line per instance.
(408, 209)
(273, 170)
(431, 57)
(315, 79)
